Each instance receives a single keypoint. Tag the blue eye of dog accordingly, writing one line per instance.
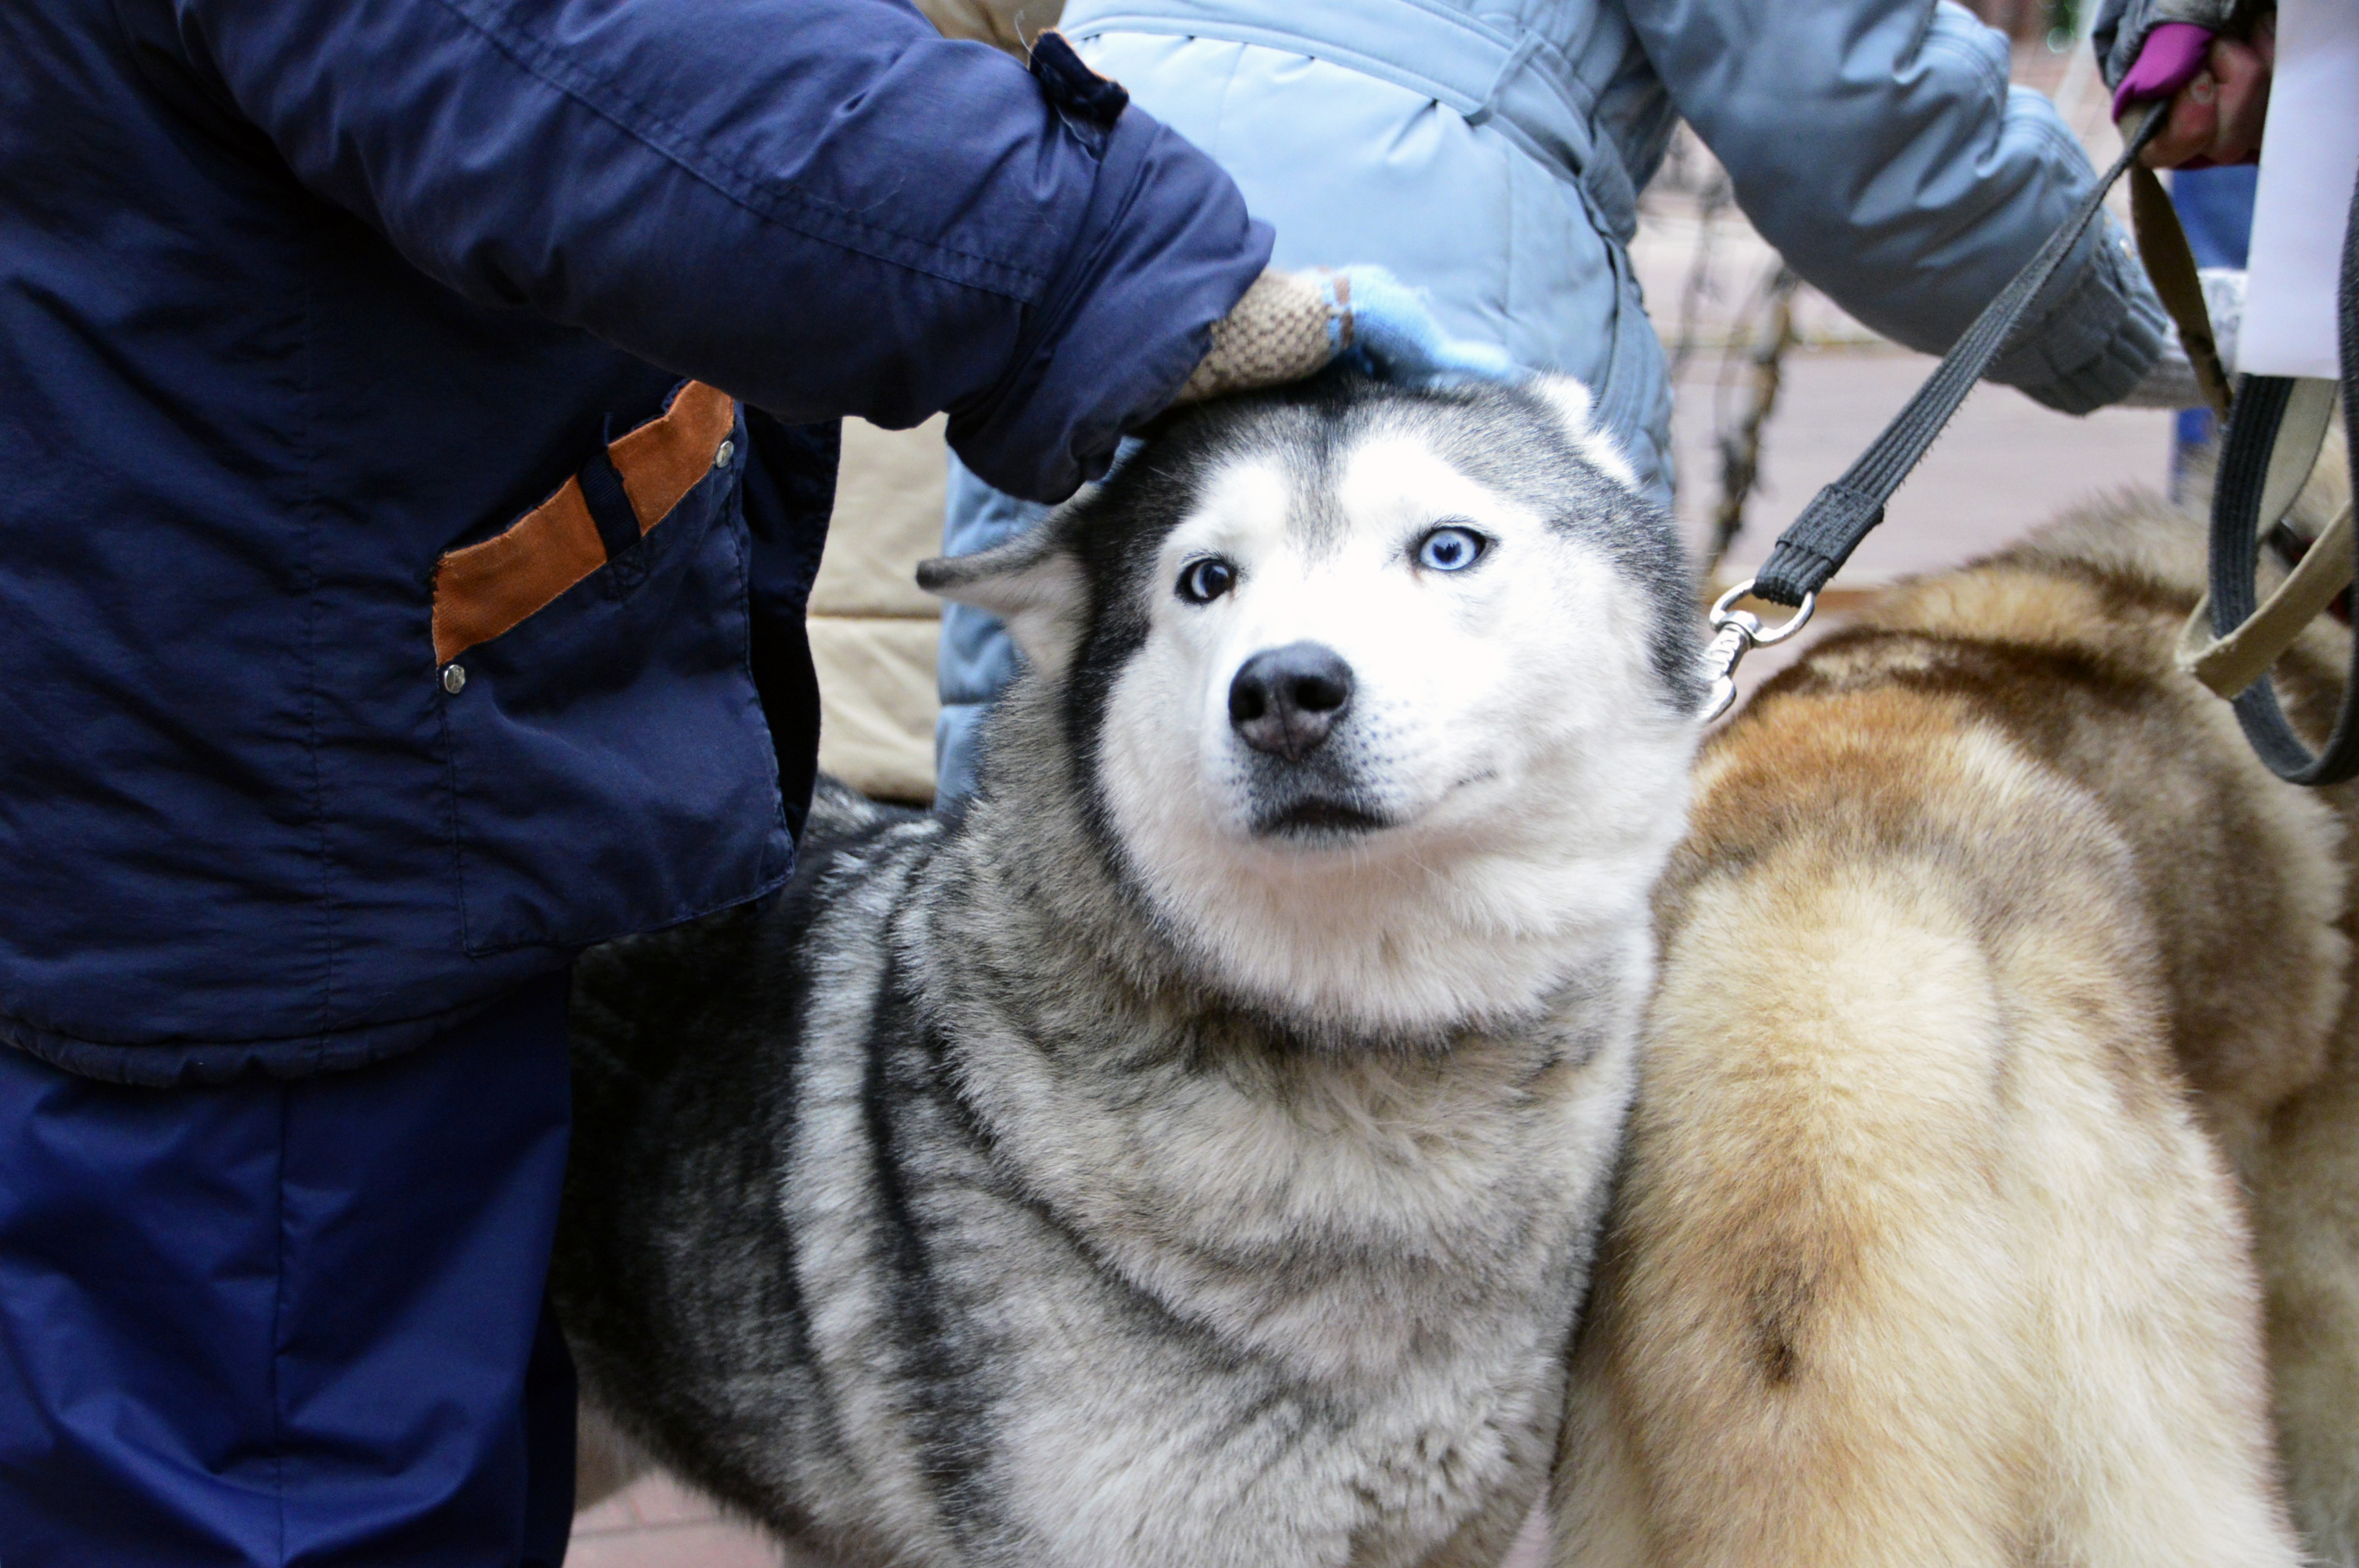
(1450, 549)
(1202, 581)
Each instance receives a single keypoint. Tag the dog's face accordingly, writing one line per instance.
(1377, 691)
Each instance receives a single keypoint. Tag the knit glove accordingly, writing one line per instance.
(1278, 332)
(1291, 324)
(2170, 380)
(2168, 383)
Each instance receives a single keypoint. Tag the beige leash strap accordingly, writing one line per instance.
(2162, 245)
(2228, 664)
(2235, 660)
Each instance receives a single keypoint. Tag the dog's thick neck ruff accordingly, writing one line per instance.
(1375, 704)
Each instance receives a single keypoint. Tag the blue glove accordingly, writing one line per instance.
(1384, 321)
(1289, 325)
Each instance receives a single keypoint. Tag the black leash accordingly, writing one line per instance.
(1815, 545)
(2259, 441)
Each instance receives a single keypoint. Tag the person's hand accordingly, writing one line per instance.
(2218, 92)
(1293, 324)
(1388, 322)
(1279, 331)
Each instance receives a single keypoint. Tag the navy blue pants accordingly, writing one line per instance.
(293, 1323)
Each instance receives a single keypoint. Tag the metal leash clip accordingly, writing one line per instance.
(1734, 633)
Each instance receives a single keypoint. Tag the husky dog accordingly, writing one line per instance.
(1996, 971)
(1190, 1155)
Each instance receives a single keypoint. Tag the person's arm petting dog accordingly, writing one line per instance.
(902, 224)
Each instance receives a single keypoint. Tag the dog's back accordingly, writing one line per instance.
(1926, 1251)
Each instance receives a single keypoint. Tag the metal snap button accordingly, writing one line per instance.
(454, 678)
(728, 451)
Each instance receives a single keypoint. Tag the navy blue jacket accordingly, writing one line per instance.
(299, 298)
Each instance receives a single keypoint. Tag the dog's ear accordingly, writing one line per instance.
(1034, 582)
(1576, 409)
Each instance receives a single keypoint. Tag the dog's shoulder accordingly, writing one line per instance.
(1953, 722)
(2087, 611)
(2015, 740)
(636, 998)
(841, 814)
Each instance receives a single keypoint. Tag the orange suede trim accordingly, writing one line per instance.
(485, 590)
(488, 587)
(662, 461)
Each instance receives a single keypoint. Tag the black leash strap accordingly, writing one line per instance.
(1814, 547)
(2257, 426)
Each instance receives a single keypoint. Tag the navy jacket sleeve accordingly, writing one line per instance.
(820, 206)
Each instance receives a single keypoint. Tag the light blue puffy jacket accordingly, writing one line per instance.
(1491, 151)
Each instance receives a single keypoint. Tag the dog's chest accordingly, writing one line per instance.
(1235, 1462)
(1345, 1341)
(1345, 1225)
(1280, 1309)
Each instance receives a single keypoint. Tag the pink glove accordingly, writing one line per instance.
(2215, 89)
(2168, 62)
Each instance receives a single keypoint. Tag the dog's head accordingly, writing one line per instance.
(1381, 700)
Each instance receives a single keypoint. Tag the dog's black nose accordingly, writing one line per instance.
(1285, 700)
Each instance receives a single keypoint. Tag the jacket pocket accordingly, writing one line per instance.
(610, 769)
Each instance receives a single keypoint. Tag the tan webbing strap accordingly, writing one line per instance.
(2229, 663)
(2162, 245)
(2244, 656)
(490, 587)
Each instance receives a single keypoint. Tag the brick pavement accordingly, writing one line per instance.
(2004, 466)
(658, 1523)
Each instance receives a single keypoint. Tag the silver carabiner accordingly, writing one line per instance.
(1734, 633)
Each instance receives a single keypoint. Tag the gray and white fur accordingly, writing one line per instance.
(1190, 1154)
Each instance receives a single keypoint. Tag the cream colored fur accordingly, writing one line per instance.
(1995, 970)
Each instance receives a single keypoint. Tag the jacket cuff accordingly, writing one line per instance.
(1165, 250)
(2095, 341)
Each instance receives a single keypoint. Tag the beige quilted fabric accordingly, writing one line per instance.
(873, 631)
